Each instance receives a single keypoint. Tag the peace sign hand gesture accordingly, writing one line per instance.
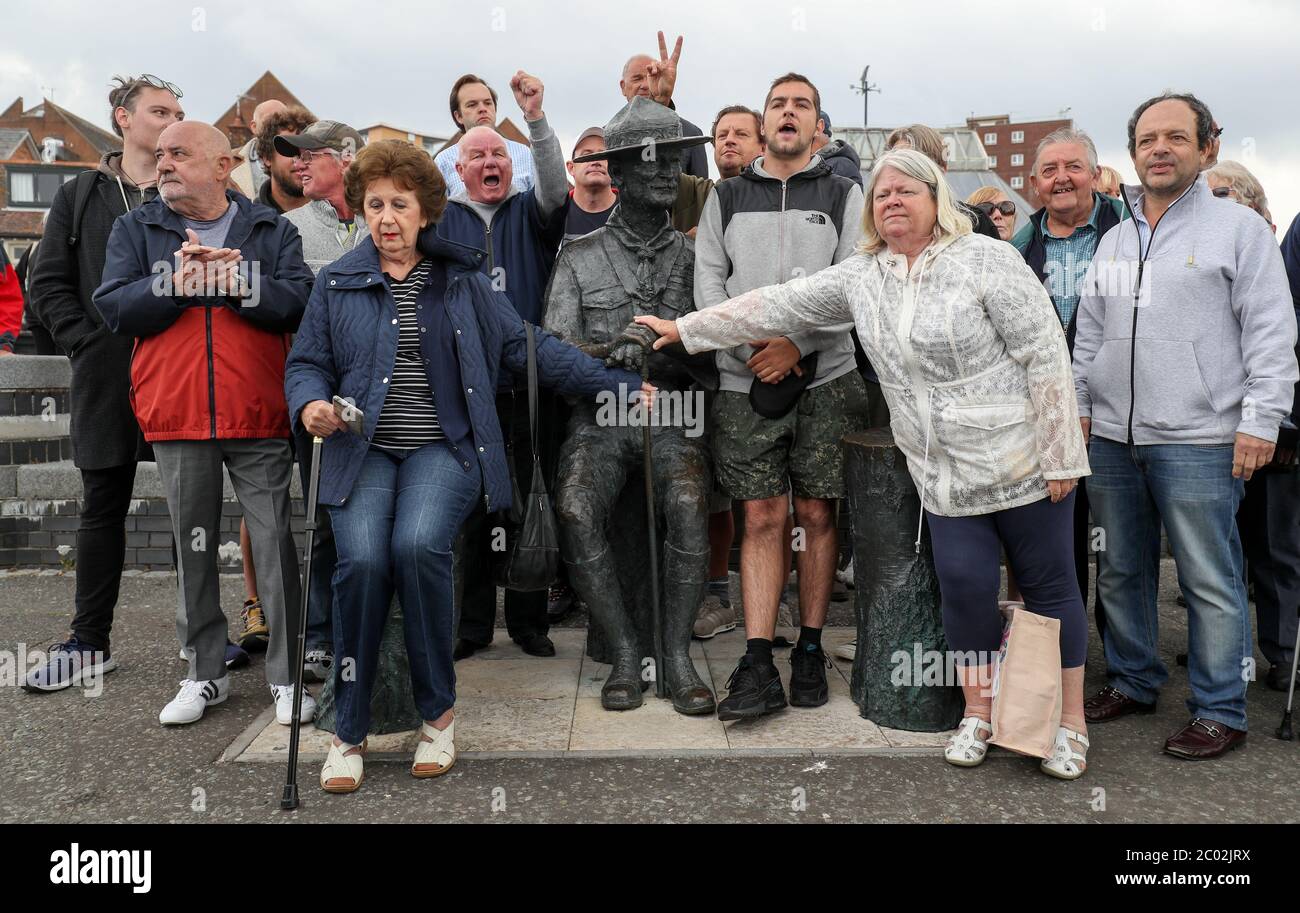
(663, 73)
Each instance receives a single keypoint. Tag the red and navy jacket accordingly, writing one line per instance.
(205, 367)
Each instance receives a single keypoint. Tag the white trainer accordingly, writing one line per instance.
(283, 695)
(194, 698)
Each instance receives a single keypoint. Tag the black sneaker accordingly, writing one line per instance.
(752, 691)
(808, 686)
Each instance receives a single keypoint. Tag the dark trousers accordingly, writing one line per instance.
(101, 550)
(1083, 553)
(323, 557)
(1269, 523)
(525, 612)
(1038, 540)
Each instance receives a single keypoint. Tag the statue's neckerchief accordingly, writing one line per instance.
(640, 280)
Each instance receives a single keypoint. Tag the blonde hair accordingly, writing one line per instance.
(950, 219)
(1244, 184)
(1109, 178)
(985, 194)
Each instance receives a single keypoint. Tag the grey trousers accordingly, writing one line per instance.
(259, 471)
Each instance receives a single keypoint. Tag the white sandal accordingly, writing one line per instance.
(1066, 763)
(340, 766)
(966, 748)
(433, 759)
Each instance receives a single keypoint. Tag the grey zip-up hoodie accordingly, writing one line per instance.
(1190, 337)
(322, 240)
(756, 231)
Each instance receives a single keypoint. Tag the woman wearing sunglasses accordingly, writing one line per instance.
(995, 204)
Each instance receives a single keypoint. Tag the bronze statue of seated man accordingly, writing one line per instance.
(636, 264)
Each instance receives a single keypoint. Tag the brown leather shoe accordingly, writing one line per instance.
(1202, 739)
(1111, 704)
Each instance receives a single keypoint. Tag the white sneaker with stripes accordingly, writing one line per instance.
(193, 698)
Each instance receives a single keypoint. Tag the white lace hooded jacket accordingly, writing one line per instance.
(971, 357)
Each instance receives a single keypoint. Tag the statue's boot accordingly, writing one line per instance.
(683, 589)
(592, 582)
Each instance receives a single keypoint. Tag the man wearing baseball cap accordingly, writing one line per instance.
(592, 198)
(329, 229)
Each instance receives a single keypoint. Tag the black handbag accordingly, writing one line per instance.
(531, 558)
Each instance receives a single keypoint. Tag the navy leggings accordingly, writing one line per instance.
(1039, 540)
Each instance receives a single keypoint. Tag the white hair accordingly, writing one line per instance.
(950, 218)
(1068, 135)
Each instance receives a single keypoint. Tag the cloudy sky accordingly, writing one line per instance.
(935, 62)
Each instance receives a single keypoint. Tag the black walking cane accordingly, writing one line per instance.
(1284, 730)
(289, 798)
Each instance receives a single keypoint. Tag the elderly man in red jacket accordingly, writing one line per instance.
(209, 283)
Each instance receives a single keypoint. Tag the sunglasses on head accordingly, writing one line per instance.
(1006, 207)
(1222, 191)
(159, 83)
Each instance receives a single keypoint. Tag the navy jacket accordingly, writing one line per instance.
(519, 251)
(347, 345)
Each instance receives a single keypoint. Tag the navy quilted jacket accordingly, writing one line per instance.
(347, 345)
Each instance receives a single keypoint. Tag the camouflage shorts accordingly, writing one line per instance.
(757, 457)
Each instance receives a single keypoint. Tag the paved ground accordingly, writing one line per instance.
(70, 758)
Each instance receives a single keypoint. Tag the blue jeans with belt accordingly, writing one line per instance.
(1190, 489)
(395, 534)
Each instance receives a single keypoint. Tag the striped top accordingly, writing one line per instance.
(409, 418)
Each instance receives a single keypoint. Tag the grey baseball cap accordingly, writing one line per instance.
(587, 134)
(324, 134)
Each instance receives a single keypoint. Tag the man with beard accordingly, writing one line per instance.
(282, 190)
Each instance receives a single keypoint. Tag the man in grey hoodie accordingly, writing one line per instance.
(1185, 367)
(786, 215)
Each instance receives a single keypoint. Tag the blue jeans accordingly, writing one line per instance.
(395, 534)
(1190, 489)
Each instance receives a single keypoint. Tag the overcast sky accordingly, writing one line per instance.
(935, 62)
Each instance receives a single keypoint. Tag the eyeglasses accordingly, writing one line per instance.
(1006, 207)
(1222, 192)
(308, 154)
(159, 83)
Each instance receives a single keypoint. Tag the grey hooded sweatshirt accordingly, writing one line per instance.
(756, 231)
(1187, 337)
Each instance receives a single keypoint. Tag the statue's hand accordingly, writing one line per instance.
(629, 355)
(634, 332)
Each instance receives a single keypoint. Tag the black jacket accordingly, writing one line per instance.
(63, 277)
(980, 221)
(843, 160)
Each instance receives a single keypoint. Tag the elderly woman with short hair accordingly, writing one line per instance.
(1234, 181)
(416, 343)
(973, 363)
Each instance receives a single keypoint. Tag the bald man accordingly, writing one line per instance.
(656, 78)
(250, 174)
(208, 283)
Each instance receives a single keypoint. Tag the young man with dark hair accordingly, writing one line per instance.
(106, 440)
(282, 190)
(784, 403)
(473, 103)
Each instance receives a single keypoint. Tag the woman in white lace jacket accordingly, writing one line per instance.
(974, 367)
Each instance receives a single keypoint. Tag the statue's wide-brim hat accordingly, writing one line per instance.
(640, 124)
